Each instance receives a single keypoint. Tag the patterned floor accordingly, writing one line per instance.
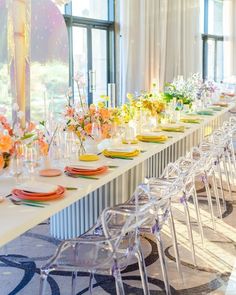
(215, 274)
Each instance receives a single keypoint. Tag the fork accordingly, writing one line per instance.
(25, 203)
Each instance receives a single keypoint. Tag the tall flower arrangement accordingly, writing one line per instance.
(185, 90)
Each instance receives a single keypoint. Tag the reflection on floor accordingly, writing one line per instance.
(215, 273)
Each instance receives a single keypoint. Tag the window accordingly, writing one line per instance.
(91, 37)
(212, 29)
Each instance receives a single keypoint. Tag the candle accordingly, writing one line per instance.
(111, 87)
(19, 42)
(45, 105)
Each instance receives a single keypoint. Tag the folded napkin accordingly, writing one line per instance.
(221, 104)
(134, 141)
(190, 119)
(152, 138)
(120, 152)
(215, 108)
(37, 187)
(205, 113)
(89, 157)
(173, 128)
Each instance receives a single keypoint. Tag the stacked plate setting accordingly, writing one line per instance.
(37, 191)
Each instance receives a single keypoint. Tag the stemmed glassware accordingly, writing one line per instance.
(30, 159)
(16, 163)
(96, 132)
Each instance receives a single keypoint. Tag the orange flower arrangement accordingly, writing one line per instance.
(2, 162)
(43, 147)
(6, 143)
(81, 122)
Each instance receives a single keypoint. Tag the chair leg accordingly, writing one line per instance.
(43, 282)
(91, 277)
(209, 199)
(190, 233)
(73, 282)
(174, 239)
(227, 178)
(142, 270)
(118, 279)
(230, 166)
(163, 262)
(198, 215)
(221, 184)
(216, 194)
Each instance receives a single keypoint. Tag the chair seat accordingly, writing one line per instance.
(89, 258)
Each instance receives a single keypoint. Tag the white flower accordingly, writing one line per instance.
(15, 107)
(3, 110)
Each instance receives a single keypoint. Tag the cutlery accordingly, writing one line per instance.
(119, 157)
(81, 176)
(71, 188)
(25, 203)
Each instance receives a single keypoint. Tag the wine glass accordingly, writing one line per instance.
(129, 135)
(16, 163)
(30, 159)
(96, 132)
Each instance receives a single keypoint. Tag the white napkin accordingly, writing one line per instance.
(37, 187)
(121, 149)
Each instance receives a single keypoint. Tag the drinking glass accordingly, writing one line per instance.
(129, 134)
(96, 132)
(16, 168)
(30, 159)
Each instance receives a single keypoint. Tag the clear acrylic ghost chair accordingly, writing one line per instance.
(177, 177)
(158, 215)
(229, 129)
(183, 169)
(203, 170)
(221, 143)
(105, 249)
(213, 154)
(167, 186)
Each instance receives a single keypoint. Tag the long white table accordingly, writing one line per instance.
(79, 209)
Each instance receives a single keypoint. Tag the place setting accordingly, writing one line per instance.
(35, 194)
(85, 171)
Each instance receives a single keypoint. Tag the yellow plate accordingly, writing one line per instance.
(89, 157)
(133, 153)
(157, 138)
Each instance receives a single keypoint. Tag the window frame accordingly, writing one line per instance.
(205, 37)
(91, 23)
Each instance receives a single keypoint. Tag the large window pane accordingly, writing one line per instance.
(210, 59)
(99, 61)
(215, 17)
(97, 9)
(219, 62)
(80, 60)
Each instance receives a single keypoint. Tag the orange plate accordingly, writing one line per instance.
(84, 172)
(50, 172)
(59, 193)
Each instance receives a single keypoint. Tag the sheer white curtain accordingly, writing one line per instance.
(160, 39)
(229, 31)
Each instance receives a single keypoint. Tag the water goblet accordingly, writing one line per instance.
(30, 159)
